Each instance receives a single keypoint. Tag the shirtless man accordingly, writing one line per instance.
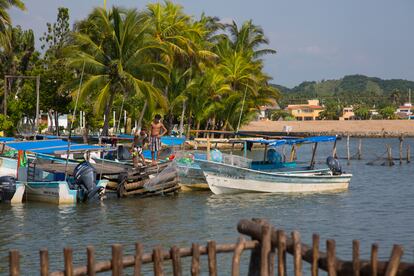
(157, 131)
(140, 139)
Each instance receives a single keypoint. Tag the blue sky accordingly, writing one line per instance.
(315, 39)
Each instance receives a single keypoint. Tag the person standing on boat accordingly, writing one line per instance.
(137, 148)
(157, 131)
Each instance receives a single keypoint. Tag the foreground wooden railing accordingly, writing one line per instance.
(267, 245)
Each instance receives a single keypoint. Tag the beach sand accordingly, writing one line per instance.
(363, 128)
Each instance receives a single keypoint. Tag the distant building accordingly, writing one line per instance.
(405, 111)
(347, 114)
(305, 112)
(266, 110)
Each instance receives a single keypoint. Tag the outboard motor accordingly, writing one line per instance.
(334, 165)
(7, 188)
(123, 153)
(85, 178)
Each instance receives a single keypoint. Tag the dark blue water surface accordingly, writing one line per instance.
(378, 207)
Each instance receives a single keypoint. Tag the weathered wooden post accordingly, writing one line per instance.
(158, 261)
(348, 155)
(90, 254)
(312, 163)
(176, 261)
(68, 261)
(390, 162)
(334, 155)
(408, 153)
(281, 253)
(235, 267)
(266, 247)
(355, 258)
(116, 262)
(14, 263)
(44, 262)
(374, 260)
(331, 258)
(360, 149)
(315, 254)
(394, 262)
(212, 258)
(139, 251)
(208, 148)
(195, 261)
(401, 149)
(297, 256)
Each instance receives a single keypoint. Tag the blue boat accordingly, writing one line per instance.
(46, 186)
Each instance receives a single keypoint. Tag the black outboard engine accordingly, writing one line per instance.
(85, 178)
(334, 165)
(123, 153)
(7, 188)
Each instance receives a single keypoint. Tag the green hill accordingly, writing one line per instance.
(352, 89)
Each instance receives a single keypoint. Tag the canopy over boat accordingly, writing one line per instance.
(6, 139)
(294, 141)
(55, 146)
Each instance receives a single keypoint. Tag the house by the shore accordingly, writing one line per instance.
(305, 112)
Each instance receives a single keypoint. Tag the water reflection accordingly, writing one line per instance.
(378, 207)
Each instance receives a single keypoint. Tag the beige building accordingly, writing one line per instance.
(305, 112)
(347, 114)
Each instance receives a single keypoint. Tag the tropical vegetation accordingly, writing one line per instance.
(197, 72)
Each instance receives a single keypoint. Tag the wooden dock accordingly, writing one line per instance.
(268, 249)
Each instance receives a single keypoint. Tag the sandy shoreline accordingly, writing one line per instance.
(365, 128)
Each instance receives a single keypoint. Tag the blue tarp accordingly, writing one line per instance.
(50, 146)
(294, 141)
(6, 139)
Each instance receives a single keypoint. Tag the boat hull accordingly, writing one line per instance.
(56, 192)
(224, 179)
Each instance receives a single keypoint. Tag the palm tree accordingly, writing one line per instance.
(117, 54)
(5, 19)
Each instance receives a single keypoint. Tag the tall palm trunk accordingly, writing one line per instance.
(213, 126)
(182, 119)
(198, 127)
(106, 114)
(189, 121)
(141, 116)
(226, 123)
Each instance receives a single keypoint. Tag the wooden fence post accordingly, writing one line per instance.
(44, 262)
(195, 261)
(116, 262)
(157, 258)
(374, 260)
(90, 255)
(139, 251)
(408, 154)
(390, 162)
(360, 149)
(315, 254)
(394, 262)
(14, 263)
(235, 267)
(176, 260)
(68, 260)
(266, 245)
(331, 258)
(401, 149)
(297, 255)
(281, 253)
(212, 258)
(355, 258)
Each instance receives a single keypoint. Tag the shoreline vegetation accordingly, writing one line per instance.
(120, 67)
(355, 128)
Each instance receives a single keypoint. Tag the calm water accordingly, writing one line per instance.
(379, 207)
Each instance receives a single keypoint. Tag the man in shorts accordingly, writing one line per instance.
(157, 131)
